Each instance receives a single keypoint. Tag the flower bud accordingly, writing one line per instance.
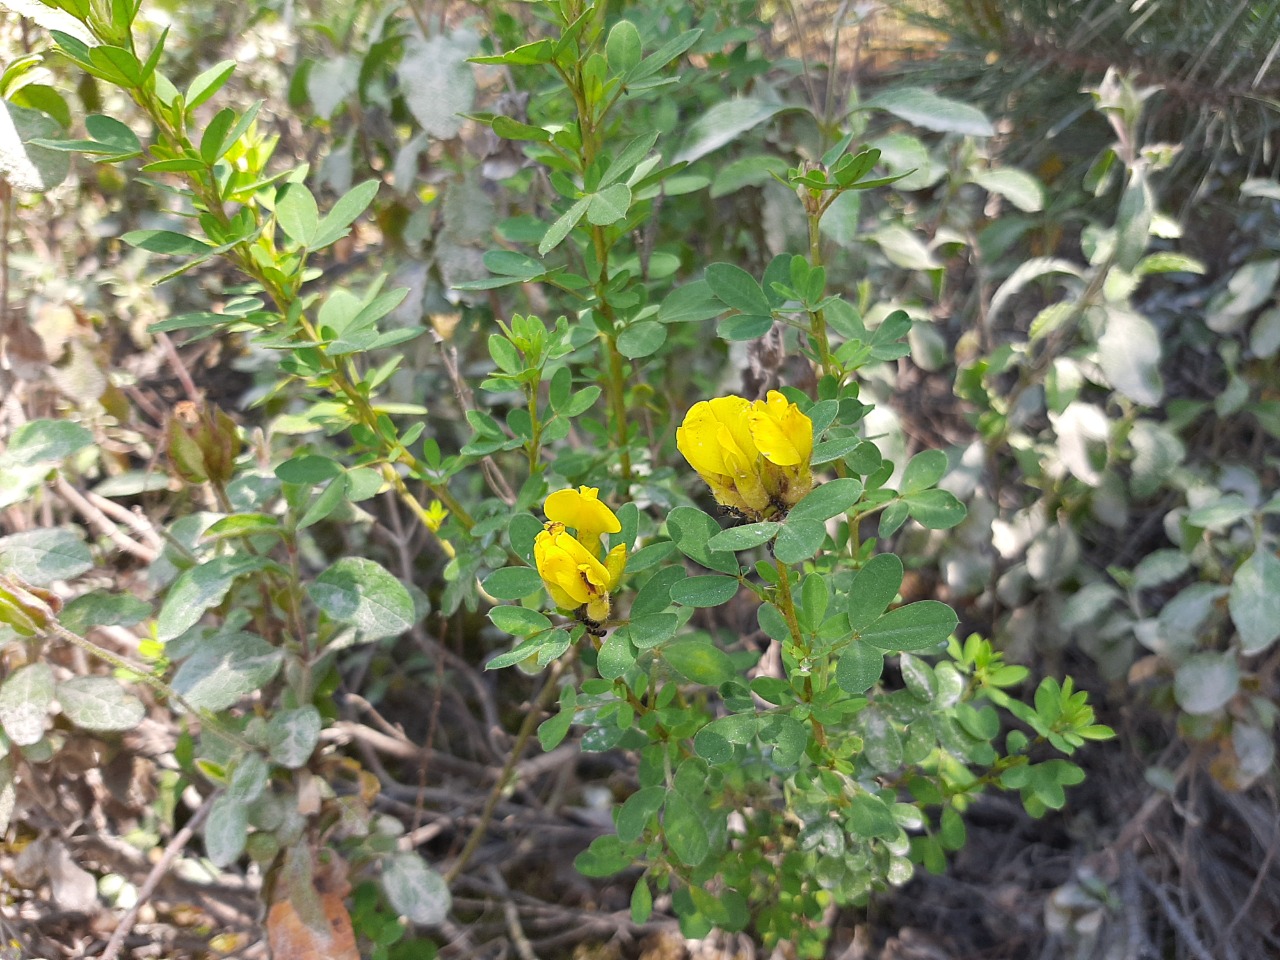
(29, 610)
(203, 443)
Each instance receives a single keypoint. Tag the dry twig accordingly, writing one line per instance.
(171, 851)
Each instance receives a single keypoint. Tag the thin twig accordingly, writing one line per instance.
(179, 368)
(171, 851)
(518, 938)
(493, 476)
(1175, 917)
(550, 691)
(1254, 890)
(101, 522)
(135, 520)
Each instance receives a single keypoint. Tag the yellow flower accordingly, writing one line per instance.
(571, 565)
(754, 456)
(582, 510)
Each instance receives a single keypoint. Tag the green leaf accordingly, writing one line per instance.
(44, 555)
(627, 160)
(870, 817)
(510, 129)
(25, 697)
(1221, 513)
(834, 449)
(859, 668)
(690, 303)
(723, 123)
(673, 48)
(33, 155)
(226, 830)
(513, 583)
(511, 263)
(1019, 188)
(1206, 682)
(166, 242)
(655, 595)
(553, 730)
(707, 591)
(641, 902)
(225, 668)
(637, 810)
(99, 704)
(113, 133)
(437, 83)
(331, 497)
(926, 109)
(736, 288)
(1255, 601)
(344, 213)
(789, 737)
(544, 646)
(414, 890)
(891, 518)
(616, 656)
(1129, 353)
(622, 48)
(652, 629)
(699, 662)
(684, 830)
(37, 441)
(215, 135)
(298, 213)
(814, 599)
(882, 745)
(917, 626)
(798, 540)
(691, 530)
(743, 326)
(609, 205)
(200, 588)
(605, 857)
(102, 609)
(308, 469)
(935, 509)
(1133, 221)
(560, 229)
(745, 537)
(827, 500)
(180, 165)
(206, 84)
(923, 471)
(641, 339)
(358, 591)
(292, 736)
(951, 829)
(248, 778)
(519, 621)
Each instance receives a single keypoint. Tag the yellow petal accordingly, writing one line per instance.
(781, 432)
(616, 563)
(558, 569)
(582, 510)
(698, 441)
(732, 412)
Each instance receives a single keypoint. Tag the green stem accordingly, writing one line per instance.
(818, 318)
(150, 679)
(787, 604)
(550, 691)
(205, 189)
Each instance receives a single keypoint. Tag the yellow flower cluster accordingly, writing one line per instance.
(753, 456)
(571, 565)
